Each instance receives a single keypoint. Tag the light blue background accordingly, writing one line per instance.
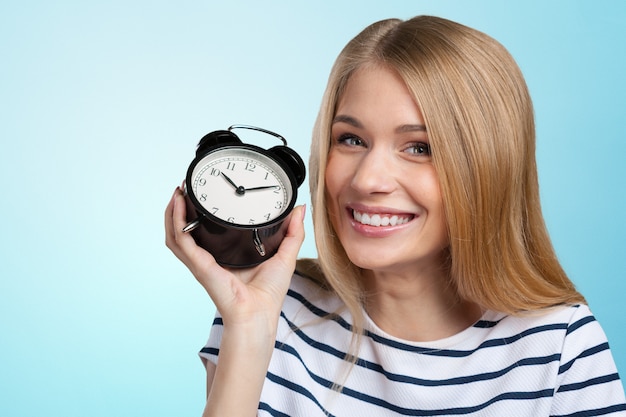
(102, 104)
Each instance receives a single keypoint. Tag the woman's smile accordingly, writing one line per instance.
(378, 224)
(380, 219)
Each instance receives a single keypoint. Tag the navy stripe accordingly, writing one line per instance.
(580, 323)
(427, 351)
(210, 351)
(275, 413)
(296, 388)
(404, 378)
(486, 324)
(464, 353)
(593, 381)
(595, 412)
(318, 311)
(588, 352)
(533, 395)
(397, 409)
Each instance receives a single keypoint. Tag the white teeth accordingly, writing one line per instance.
(379, 219)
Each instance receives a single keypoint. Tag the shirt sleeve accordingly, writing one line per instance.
(588, 383)
(211, 349)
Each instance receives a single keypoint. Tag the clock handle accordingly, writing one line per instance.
(191, 226)
(260, 247)
(259, 129)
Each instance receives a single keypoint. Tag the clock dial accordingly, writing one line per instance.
(241, 186)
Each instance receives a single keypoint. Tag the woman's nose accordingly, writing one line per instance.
(375, 173)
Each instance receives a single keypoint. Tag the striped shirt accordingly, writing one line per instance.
(556, 363)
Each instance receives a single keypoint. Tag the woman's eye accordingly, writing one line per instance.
(350, 140)
(419, 148)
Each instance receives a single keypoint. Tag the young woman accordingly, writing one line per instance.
(437, 290)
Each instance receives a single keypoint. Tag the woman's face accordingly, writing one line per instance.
(383, 191)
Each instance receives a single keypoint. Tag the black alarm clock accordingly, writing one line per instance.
(239, 196)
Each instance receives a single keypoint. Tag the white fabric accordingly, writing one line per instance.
(557, 363)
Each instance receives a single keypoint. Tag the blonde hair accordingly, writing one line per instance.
(479, 118)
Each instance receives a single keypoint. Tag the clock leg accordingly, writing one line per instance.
(191, 226)
(260, 247)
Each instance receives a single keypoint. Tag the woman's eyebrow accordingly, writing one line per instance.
(342, 118)
(411, 128)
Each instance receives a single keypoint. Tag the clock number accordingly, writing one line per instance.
(214, 210)
(267, 216)
(231, 166)
(250, 167)
(203, 197)
(277, 189)
(267, 174)
(230, 220)
(215, 172)
(251, 221)
(202, 182)
(278, 205)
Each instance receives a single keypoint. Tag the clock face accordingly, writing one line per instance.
(241, 186)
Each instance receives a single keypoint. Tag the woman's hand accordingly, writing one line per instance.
(249, 301)
(242, 296)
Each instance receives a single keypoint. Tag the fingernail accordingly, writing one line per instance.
(303, 212)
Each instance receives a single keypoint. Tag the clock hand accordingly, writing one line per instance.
(267, 187)
(229, 180)
(238, 188)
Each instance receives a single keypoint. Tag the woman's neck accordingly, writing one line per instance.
(417, 307)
